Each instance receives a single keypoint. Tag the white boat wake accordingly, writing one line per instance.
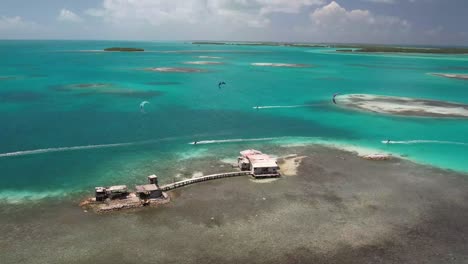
(420, 141)
(220, 141)
(73, 148)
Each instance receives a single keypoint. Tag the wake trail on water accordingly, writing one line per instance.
(421, 141)
(220, 141)
(283, 106)
(73, 148)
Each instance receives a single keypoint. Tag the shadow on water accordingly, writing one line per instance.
(90, 89)
(18, 97)
(5, 78)
(125, 93)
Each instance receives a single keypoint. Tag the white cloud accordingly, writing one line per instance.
(436, 31)
(333, 23)
(16, 22)
(95, 12)
(291, 6)
(382, 1)
(68, 16)
(252, 13)
(15, 27)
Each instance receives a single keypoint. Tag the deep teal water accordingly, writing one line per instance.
(40, 109)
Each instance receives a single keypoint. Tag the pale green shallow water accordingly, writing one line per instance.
(38, 111)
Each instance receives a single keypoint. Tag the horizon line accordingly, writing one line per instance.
(241, 41)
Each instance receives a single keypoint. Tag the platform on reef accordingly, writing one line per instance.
(131, 201)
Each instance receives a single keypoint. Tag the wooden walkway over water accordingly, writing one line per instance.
(183, 183)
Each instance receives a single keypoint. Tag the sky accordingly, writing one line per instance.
(429, 22)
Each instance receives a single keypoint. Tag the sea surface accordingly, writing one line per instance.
(70, 115)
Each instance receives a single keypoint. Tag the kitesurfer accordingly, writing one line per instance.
(142, 106)
(334, 95)
(221, 83)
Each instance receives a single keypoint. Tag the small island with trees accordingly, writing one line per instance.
(362, 48)
(123, 49)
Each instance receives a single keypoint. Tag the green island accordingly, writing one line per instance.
(123, 49)
(347, 48)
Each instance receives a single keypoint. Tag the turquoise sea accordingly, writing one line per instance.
(70, 116)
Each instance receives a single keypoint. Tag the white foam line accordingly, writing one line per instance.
(421, 141)
(202, 142)
(282, 106)
(63, 149)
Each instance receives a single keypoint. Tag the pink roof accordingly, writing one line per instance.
(257, 157)
(249, 152)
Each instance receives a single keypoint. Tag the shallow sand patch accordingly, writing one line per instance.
(451, 75)
(287, 65)
(289, 164)
(81, 86)
(90, 85)
(86, 89)
(260, 181)
(403, 106)
(174, 69)
(197, 174)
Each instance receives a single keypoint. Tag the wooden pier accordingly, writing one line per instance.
(129, 200)
(183, 183)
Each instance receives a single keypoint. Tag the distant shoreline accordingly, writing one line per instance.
(364, 48)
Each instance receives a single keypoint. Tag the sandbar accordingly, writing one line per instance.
(289, 65)
(451, 75)
(403, 106)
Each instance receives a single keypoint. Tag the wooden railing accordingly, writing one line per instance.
(183, 183)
